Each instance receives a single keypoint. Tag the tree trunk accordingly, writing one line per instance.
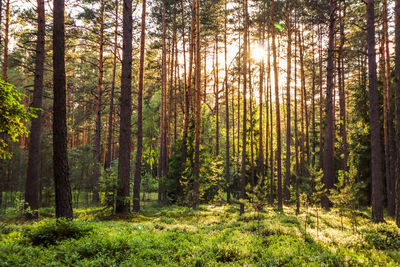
(278, 116)
(296, 139)
(60, 153)
(328, 160)
(216, 69)
(6, 41)
(163, 111)
(397, 90)
(188, 85)
(243, 180)
(32, 177)
(251, 118)
(342, 96)
(288, 137)
(227, 159)
(321, 145)
(198, 110)
(391, 158)
(376, 171)
(138, 168)
(261, 92)
(122, 204)
(271, 124)
(97, 135)
(107, 161)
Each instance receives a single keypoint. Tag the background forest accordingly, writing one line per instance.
(284, 112)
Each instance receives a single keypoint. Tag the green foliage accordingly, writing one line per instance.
(345, 195)
(13, 114)
(383, 239)
(49, 232)
(210, 236)
(109, 185)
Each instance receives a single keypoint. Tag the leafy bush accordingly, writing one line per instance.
(383, 239)
(49, 232)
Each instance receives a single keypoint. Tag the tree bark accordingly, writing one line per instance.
(97, 135)
(342, 96)
(227, 156)
(60, 153)
(6, 41)
(107, 161)
(138, 168)
(244, 141)
(288, 122)
(123, 205)
(278, 116)
(33, 171)
(328, 160)
(376, 171)
(397, 90)
(261, 92)
(198, 110)
(391, 158)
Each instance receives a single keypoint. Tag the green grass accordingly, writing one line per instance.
(209, 236)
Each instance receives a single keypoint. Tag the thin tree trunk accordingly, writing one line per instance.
(138, 168)
(32, 177)
(251, 119)
(391, 158)
(6, 41)
(288, 130)
(397, 90)
(303, 104)
(321, 145)
(342, 97)
(376, 171)
(163, 126)
(198, 110)
(60, 153)
(243, 176)
(271, 139)
(188, 84)
(328, 160)
(227, 163)
(296, 144)
(107, 161)
(261, 92)
(313, 134)
(122, 204)
(278, 116)
(216, 69)
(97, 135)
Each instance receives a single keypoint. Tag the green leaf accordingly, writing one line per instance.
(278, 26)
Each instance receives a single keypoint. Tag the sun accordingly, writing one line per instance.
(259, 52)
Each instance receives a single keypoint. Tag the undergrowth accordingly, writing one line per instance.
(210, 236)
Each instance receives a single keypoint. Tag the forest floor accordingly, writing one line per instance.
(210, 236)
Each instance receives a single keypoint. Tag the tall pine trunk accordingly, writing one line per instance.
(60, 153)
(125, 102)
(107, 161)
(397, 90)
(227, 159)
(138, 168)
(278, 114)
(244, 141)
(32, 177)
(288, 122)
(198, 110)
(6, 41)
(376, 171)
(97, 135)
(328, 160)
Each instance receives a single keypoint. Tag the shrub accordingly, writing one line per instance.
(49, 232)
